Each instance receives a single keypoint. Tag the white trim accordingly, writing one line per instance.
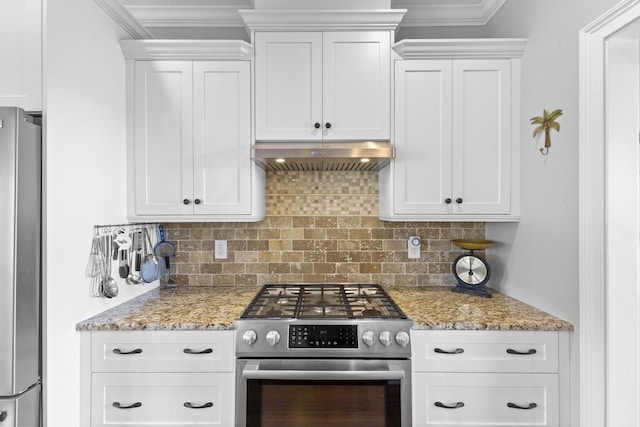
(133, 14)
(187, 16)
(320, 20)
(592, 223)
(118, 13)
(460, 48)
(451, 218)
(186, 49)
(433, 13)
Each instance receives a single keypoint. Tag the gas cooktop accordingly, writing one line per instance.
(322, 301)
(323, 320)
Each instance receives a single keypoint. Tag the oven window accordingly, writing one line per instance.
(282, 403)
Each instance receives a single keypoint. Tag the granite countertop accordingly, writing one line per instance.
(434, 307)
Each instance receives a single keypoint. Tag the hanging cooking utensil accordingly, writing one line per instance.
(123, 241)
(166, 250)
(151, 267)
(136, 258)
(109, 285)
(93, 263)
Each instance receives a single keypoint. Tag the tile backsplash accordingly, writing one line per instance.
(319, 227)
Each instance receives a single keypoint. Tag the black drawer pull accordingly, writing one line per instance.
(3, 416)
(192, 406)
(530, 351)
(133, 405)
(441, 351)
(455, 406)
(205, 351)
(136, 351)
(516, 406)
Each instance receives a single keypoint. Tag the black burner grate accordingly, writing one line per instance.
(322, 301)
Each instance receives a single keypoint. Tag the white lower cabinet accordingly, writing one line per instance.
(162, 399)
(490, 378)
(470, 399)
(158, 378)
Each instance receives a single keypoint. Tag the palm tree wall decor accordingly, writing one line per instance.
(545, 123)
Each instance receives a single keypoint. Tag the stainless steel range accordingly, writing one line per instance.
(323, 355)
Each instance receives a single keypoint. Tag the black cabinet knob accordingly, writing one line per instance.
(447, 200)
(197, 201)
(459, 200)
(186, 201)
(327, 125)
(316, 125)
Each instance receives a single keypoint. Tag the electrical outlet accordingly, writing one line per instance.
(413, 245)
(221, 249)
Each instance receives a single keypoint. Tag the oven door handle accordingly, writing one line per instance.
(252, 371)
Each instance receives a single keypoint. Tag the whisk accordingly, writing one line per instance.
(94, 261)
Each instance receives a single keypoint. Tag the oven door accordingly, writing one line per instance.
(323, 392)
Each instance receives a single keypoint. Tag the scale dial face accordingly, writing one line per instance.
(471, 270)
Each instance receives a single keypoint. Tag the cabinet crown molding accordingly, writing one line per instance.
(460, 48)
(319, 20)
(186, 49)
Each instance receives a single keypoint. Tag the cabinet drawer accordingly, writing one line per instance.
(484, 351)
(162, 351)
(485, 399)
(167, 400)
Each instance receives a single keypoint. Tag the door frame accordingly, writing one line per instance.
(597, 404)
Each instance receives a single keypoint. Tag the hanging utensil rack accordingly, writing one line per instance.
(110, 229)
(122, 243)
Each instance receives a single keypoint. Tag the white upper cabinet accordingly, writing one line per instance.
(190, 142)
(21, 47)
(163, 142)
(313, 86)
(456, 134)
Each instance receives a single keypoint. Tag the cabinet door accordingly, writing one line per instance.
(484, 351)
(509, 400)
(162, 399)
(422, 168)
(356, 85)
(163, 137)
(162, 351)
(288, 86)
(21, 47)
(481, 136)
(222, 137)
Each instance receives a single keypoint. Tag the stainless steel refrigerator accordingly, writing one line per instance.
(20, 271)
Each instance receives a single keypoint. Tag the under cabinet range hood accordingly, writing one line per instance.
(323, 156)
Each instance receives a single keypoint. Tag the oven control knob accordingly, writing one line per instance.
(368, 338)
(385, 338)
(249, 337)
(402, 338)
(273, 337)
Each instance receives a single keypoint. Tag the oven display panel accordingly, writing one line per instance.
(325, 336)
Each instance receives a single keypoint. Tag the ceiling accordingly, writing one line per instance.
(150, 19)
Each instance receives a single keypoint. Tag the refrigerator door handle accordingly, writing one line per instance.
(25, 391)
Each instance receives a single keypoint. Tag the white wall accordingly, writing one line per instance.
(84, 178)
(539, 255)
(536, 260)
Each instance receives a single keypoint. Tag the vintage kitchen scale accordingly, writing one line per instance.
(470, 270)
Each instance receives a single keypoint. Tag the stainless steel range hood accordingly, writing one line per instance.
(323, 156)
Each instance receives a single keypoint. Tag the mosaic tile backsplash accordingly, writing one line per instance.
(319, 227)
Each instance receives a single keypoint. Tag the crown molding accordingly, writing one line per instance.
(438, 13)
(136, 16)
(460, 48)
(186, 16)
(119, 13)
(186, 49)
(310, 20)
